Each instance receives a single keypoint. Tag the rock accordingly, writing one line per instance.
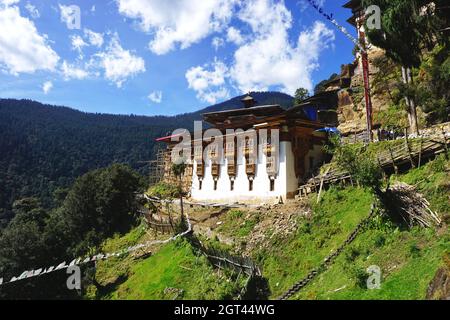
(439, 288)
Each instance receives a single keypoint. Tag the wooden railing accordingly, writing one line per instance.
(411, 153)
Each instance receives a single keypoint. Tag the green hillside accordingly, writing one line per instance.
(44, 148)
(175, 271)
(408, 258)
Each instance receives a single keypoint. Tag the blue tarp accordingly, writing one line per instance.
(330, 130)
(311, 112)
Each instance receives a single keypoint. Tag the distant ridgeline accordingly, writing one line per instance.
(43, 147)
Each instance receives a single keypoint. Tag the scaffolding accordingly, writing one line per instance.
(157, 167)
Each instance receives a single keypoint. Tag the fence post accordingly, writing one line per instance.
(393, 160)
(408, 148)
(420, 152)
(445, 142)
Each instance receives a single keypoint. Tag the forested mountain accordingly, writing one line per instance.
(43, 147)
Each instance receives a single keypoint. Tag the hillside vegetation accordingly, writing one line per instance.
(44, 148)
(175, 271)
(99, 205)
(408, 258)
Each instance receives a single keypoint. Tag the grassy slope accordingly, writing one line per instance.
(175, 265)
(408, 258)
(237, 224)
(289, 260)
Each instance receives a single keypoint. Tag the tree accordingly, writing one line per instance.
(355, 160)
(22, 248)
(406, 27)
(178, 170)
(301, 94)
(433, 89)
(99, 204)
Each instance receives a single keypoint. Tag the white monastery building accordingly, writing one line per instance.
(273, 152)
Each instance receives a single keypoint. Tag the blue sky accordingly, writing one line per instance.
(151, 57)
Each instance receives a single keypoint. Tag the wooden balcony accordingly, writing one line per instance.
(215, 170)
(271, 167)
(200, 170)
(250, 169)
(231, 170)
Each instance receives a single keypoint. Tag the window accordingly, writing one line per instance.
(232, 185)
(272, 185)
(250, 185)
(215, 185)
(200, 183)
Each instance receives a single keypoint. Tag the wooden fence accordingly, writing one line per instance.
(411, 153)
(164, 226)
(239, 265)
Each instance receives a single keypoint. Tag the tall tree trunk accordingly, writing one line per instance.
(410, 103)
(413, 109)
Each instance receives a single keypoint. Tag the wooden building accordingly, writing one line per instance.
(270, 152)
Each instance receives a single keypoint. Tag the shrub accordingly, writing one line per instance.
(305, 228)
(438, 165)
(235, 214)
(351, 254)
(360, 276)
(164, 190)
(414, 250)
(379, 240)
(357, 161)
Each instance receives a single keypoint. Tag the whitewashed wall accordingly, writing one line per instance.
(286, 181)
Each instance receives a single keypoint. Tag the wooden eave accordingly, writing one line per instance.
(219, 118)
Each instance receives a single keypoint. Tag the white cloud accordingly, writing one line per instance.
(71, 16)
(215, 96)
(77, 43)
(155, 96)
(92, 38)
(8, 2)
(178, 21)
(47, 86)
(114, 63)
(32, 10)
(217, 43)
(95, 39)
(234, 36)
(22, 48)
(119, 64)
(72, 72)
(270, 60)
(209, 85)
